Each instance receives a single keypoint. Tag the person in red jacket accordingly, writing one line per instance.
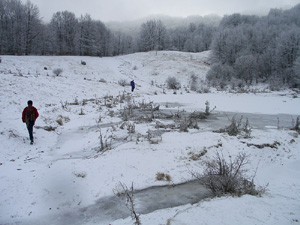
(29, 115)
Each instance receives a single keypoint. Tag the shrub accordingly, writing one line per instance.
(131, 128)
(154, 137)
(237, 128)
(173, 83)
(123, 82)
(187, 123)
(102, 80)
(57, 71)
(227, 177)
(105, 143)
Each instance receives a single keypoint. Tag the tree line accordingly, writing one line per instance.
(24, 33)
(245, 49)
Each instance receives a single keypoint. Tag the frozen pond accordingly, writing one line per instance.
(108, 209)
(257, 121)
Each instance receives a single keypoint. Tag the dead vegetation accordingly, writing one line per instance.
(237, 127)
(228, 176)
(163, 177)
(154, 136)
(105, 142)
(197, 155)
(127, 194)
(260, 146)
(46, 128)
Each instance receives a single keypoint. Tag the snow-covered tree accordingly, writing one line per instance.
(295, 81)
(287, 52)
(64, 28)
(264, 49)
(33, 26)
(152, 36)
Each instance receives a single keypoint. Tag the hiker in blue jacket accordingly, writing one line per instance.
(132, 84)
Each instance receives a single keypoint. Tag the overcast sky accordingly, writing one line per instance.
(124, 10)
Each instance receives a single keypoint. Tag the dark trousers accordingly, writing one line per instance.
(30, 129)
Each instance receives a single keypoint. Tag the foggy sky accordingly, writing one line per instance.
(126, 10)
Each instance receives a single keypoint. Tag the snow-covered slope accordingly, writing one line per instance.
(63, 172)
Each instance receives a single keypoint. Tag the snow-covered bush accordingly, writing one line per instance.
(154, 73)
(57, 71)
(131, 128)
(185, 124)
(173, 83)
(154, 136)
(105, 143)
(102, 80)
(198, 85)
(237, 128)
(123, 82)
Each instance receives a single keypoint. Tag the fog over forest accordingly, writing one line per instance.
(246, 49)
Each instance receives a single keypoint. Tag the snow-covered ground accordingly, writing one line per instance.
(63, 172)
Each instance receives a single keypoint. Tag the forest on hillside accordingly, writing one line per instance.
(246, 49)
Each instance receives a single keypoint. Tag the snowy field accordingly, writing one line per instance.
(64, 175)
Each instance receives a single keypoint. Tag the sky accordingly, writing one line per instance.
(127, 10)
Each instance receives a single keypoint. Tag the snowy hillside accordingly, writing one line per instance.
(69, 177)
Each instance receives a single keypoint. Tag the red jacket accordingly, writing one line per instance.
(30, 113)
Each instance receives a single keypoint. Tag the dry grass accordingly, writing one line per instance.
(163, 177)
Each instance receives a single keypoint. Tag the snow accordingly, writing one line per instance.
(63, 173)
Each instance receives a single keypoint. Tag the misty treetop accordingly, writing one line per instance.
(245, 49)
(250, 49)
